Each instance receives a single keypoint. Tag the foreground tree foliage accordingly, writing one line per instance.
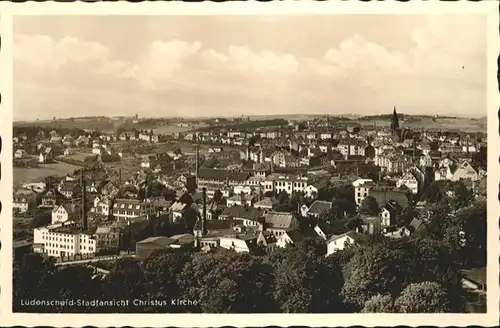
(379, 304)
(425, 297)
(380, 275)
(304, 280)
(225, 282)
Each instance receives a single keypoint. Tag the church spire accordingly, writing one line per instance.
(395, 120)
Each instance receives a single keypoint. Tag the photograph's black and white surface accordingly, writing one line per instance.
(250, 164)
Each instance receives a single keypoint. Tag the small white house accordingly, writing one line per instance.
(340, 242)
(289, 237)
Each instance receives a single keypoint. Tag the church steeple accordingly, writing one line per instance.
(395, 120)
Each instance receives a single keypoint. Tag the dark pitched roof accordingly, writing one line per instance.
(295, 235)
(279, 220)
(416, 225)
(320, 206)
(326, 228)
(385, 194)
(223, 175)
(157, 241)
(243, 212)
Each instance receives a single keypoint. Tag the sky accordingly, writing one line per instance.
(163, 66)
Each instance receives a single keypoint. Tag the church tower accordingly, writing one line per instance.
(394, 121)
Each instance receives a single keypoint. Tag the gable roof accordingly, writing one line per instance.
(416, 225)
(211, 225)
(351, 234)
(325, 228)
(295, 235)
(265, 202)
(157, 241)
(320, 206)
(243, 212)
(67, 207)
(278, 220)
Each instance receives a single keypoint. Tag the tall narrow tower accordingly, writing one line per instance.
(394, 121)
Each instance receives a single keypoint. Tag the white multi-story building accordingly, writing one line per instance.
(361, 189)
(286, 183)
(63, 240)
(124, 209)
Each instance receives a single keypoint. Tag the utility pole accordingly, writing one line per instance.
(84, 200)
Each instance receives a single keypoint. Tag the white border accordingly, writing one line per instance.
(7, 10)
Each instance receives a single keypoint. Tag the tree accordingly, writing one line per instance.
(354, 223)
(41, 219)
(189, 218)
(424, 297)
(126, 281)
(217, 196)
(304, 280)
(379, 304)
(283, 197)
(33, 277)
(436, 191)
(76, 283)
(376, 269)
(432, 260)
(407, 215)
(225, 281)
(463, 196)
(162, 269)
(472, 220)
(369, 206)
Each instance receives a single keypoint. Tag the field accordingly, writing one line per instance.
(79, 156)
(171, 129)
(450, 124)
(26, 175)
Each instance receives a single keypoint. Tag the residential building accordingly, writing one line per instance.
(107, 238)
(385, 194)
(63, 241)
(361, 189)
(289, 238)
(465, 171)
(241, 200)
(131, 208)
(249, 216)
(410, 181)
(266, 203)
(280, 222)
(64, 213)
(20, 204)
(339, 242)
(318, 208)
(313, 190)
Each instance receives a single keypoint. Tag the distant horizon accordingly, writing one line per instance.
(226, 66)
(249, 116)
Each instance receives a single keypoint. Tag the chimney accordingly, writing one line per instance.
(348, 146)
(84, 201)
(197, 163)
(204, 217)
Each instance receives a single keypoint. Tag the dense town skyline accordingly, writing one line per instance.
(87, 66)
